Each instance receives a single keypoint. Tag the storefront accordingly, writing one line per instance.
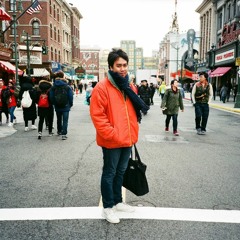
(222, 65)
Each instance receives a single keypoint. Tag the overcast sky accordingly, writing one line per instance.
(145, 21)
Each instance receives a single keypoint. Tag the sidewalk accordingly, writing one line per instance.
(5, 130)
(228, 106)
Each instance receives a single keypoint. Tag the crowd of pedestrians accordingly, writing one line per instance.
(38, 101)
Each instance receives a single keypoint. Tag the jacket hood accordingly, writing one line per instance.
(44, 85)
(60, 82)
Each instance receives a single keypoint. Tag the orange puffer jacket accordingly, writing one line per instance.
(113, 116)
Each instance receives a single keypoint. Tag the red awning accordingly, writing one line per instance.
(184, 73)
(8, 67)
(220, 71)
(4, 16)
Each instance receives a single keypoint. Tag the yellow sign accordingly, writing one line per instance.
(237, 62)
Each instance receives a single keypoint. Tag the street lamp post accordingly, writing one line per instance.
(25, 38)
(14, 16)
(15, 43)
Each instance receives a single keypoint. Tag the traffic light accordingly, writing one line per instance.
(166, 66)
(44, 50)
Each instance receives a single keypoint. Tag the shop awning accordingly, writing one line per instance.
(220, 71)
(4, 16)
(39, 72)
(184, 73)
(8, 67)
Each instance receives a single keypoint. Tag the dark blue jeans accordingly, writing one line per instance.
(62, 122)
(175, 122)
(201, 115)
(11, 112)
(115, 162)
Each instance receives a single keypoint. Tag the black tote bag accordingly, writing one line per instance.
(135, 176)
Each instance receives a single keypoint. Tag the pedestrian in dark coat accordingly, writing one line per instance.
(144, 92)
(152, 92)
(172, 101)
(29, 114)
(45, 113)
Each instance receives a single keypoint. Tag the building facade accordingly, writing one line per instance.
(222, 46)
(56, 26)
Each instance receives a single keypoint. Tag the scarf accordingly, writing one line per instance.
(123, 84)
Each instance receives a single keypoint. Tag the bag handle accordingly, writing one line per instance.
(136, 153)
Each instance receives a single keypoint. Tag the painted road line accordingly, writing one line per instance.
(152, 213)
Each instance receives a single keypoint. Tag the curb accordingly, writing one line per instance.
(213, 105)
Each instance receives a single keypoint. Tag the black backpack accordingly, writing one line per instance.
(61, 96)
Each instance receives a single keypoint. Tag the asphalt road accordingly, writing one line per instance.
(188, 173)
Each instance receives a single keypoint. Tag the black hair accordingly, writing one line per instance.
(59, 74)
(204, 74)
(114, 55)
(172, 82)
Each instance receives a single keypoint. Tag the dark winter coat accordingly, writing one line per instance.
(172, 101)
(145, 94)
(62, 82)
(44, 87)
(31, 112)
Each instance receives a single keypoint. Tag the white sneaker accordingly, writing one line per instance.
(110, 216)
(26, 129)
(10, 124)
(123, 207)
(33, 127)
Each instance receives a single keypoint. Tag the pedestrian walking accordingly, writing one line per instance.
(172, 101)
(235, 90)
(152, 92)
(45, 107)
(162, 89)
(4, 96)
(12, 102)
(29, 113)
(61, 96)
(144, 92)
(88, 93)
(202, 95)
(224, 93)
(214, 90)
(115, 110)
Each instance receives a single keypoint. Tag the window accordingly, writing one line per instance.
(59, 36)
(35, 28)
(54, 11)
(59, 56)
(51, 31)
(55, 34)
(12, 5)
(50, 7)
(58, 17)
(52, 53)
(12, 30)
(56, 55)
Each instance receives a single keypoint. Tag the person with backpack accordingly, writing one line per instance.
(3, 102)
(29, 112)
(61, 96)
(45, 107)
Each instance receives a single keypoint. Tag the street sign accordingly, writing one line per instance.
(237, 62)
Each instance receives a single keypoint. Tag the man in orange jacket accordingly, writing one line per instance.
(115, 111)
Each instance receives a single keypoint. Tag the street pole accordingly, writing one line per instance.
(15, 42)
(28, 57)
